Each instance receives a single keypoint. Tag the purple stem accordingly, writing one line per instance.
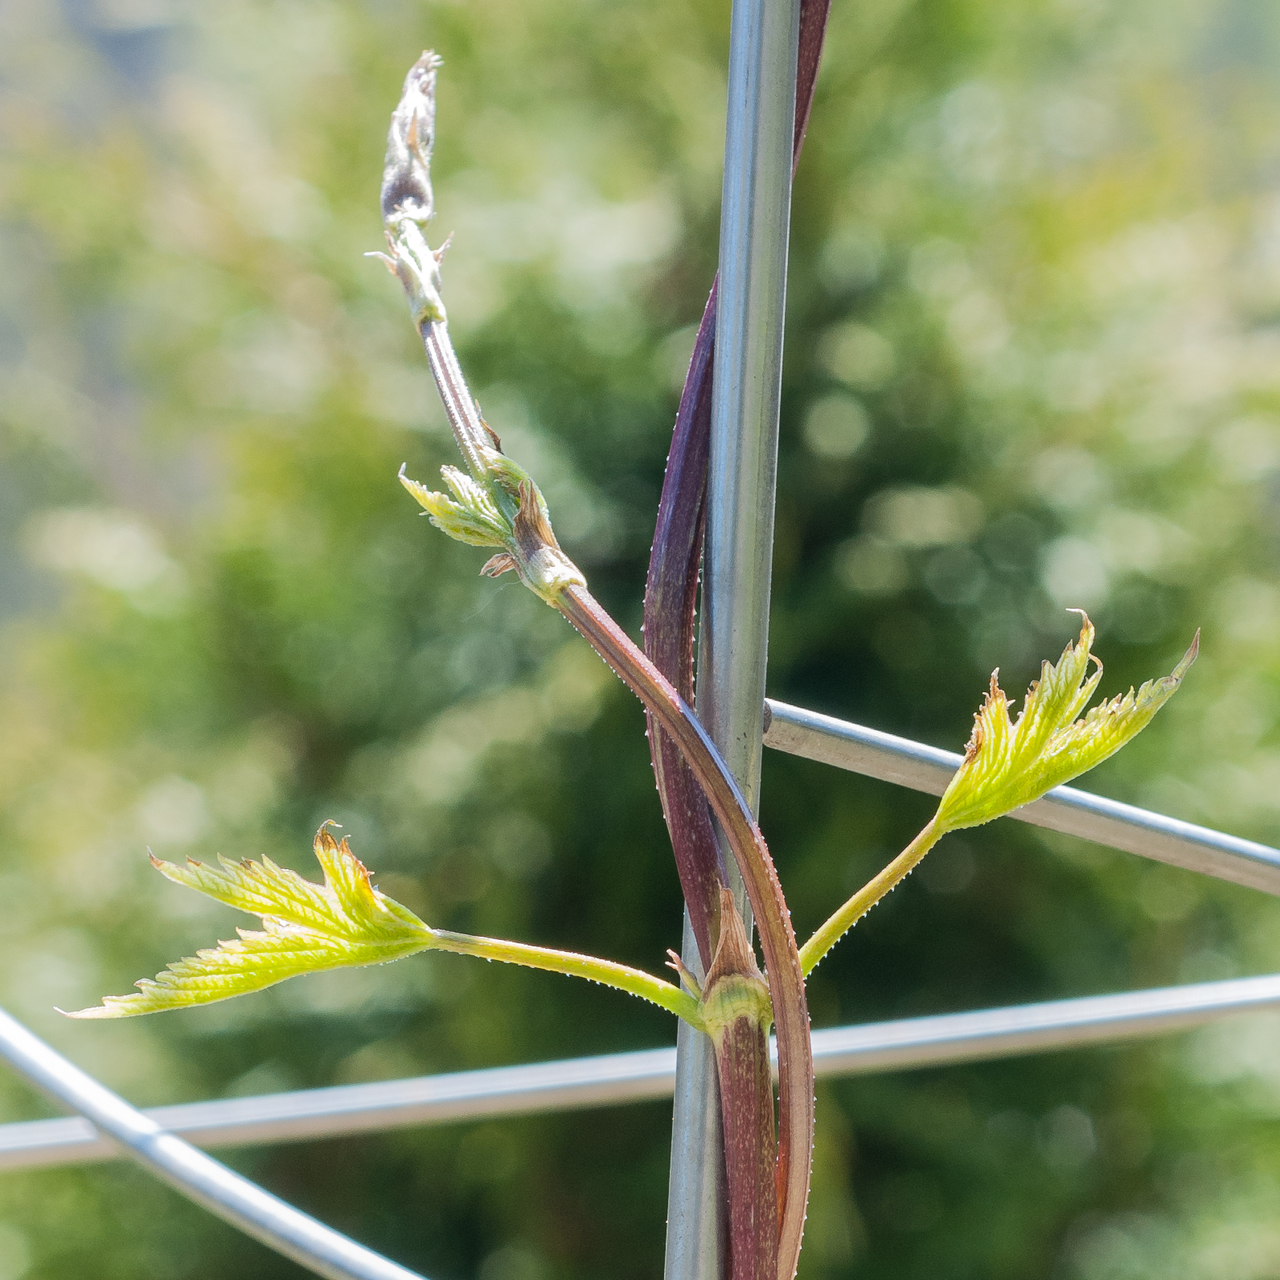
(670, 607)
(670, 601)
(777, 939)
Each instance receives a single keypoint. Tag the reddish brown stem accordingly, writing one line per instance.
(669, 611)
(670, 604)
(671, 591)
(750, 1148)
(735, 1011)
(777, 939)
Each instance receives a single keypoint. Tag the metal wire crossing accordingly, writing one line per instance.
(755, 214)
(165, 1140)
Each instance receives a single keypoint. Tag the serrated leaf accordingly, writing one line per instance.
(1008, 764)
(344, 922)
(470, 516)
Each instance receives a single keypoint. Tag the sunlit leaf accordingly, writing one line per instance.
(1010, 763)
(307, 928)
(470, 515)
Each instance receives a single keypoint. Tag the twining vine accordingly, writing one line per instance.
(494, 503)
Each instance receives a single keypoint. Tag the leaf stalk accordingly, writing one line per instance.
(842, 921)
(608, 973)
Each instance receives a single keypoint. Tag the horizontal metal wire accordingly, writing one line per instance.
(197, 1176)
(362, 1108)
(649, 1074)
(1077, 813)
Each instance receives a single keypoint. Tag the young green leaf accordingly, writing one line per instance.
(504, 508)
(340, 924)
(307, 928)
(1010, 763)
(470, 516)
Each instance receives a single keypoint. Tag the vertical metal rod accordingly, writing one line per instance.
(754, 224)
(754, 227)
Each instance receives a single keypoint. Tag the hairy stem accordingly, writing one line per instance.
(777, 939)
(675, 718)
(407, 205)
(469, 429)
(669, 611)
(670, 608)
(607, 972)
(750, 1147)
(672, 587)
(843, 920)
(736, 1012)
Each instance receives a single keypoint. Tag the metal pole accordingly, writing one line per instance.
(197, 1176)
(754, 224)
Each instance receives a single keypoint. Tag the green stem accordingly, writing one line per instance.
(607, 972)
(830, 933)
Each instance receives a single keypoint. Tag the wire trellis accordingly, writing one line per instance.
(755, 217)
(164, 1140)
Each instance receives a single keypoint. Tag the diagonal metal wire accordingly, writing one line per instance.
(197, 1176)
(646, 1075)
(1078, 813)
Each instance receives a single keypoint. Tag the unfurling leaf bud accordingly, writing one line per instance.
(498, 505)
(470, 516)
(478, 514)
(406, 171)
(407, 199)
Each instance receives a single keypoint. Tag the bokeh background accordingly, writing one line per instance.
(1033, 361)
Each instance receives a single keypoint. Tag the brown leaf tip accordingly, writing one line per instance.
(324, 841)
(494, 437)
(994, 694)
(733, 949)
(688, 980)
(494, 566)
(531, 526)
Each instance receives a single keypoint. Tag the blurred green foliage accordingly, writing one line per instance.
(1033, 362)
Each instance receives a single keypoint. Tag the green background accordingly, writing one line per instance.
(1033, 361)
